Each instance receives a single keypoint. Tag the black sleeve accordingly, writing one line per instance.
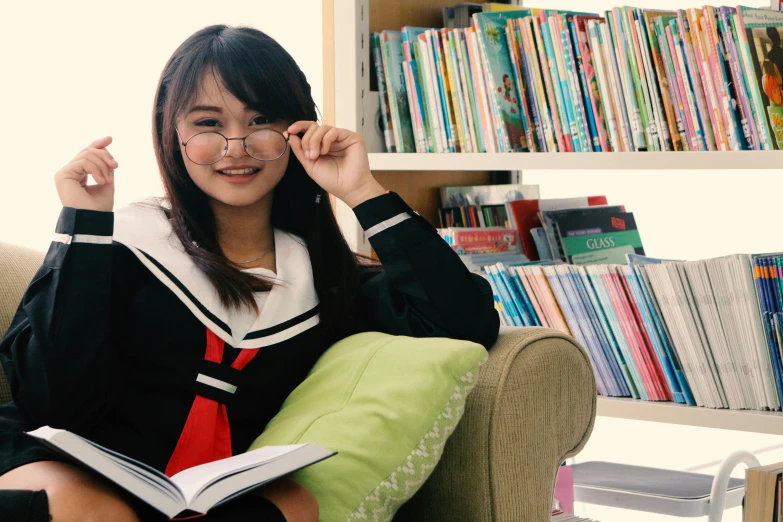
(424, 289)
(57, 353)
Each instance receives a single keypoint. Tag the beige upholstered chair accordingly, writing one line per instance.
(534, 406)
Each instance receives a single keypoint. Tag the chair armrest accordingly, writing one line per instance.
(533, 406)
(17, 268)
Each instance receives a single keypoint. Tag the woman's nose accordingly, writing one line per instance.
(236, 148)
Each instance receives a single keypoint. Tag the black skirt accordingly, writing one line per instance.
(17, 449)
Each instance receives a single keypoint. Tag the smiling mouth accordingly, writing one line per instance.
(239, 172)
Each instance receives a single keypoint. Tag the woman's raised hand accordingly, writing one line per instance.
(336, 159)
(71, 180)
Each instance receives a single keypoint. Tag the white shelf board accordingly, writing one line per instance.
(579, 161)
(738, 420)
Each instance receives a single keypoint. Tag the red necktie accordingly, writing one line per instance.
(206, 436)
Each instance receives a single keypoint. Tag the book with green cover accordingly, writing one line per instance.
(392, 56)
(598, 235)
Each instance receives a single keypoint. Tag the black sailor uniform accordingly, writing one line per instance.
(112, 336)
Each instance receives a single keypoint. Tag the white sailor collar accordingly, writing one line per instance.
(290, 308)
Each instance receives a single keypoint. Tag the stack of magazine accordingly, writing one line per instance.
(546, 80)
(478, 223)
(706, 333)
(559, 516)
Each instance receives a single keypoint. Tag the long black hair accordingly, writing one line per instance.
(259, 72)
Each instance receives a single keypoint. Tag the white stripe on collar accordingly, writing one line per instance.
(286, 311)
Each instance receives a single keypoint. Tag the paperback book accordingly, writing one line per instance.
(195, 490)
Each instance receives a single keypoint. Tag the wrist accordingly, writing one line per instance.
(360, 195)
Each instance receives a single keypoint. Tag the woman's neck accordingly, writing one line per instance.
(245, 232)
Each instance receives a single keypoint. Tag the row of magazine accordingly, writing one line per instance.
(545, 80)
(511, 224)
(706, 333)
(559, 516)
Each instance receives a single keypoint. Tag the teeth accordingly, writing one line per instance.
(238, 172)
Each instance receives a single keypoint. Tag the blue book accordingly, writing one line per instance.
(496, 296)
(572, 85)
(505, 297)
(585, 89)
(605, 343)
(764, 268)
(515, 294)
(596, 292)
(636, 262)
(386, 117)
(505, 102)
(652, 334)
(606, 338)
(605, 381)
(687, 83)
(567, 123)
(610, 341)
(410, 35)
(445, 103)
(533, 102)
(542, 243)
(526, 302)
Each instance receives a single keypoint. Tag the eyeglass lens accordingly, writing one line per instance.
(209, 147)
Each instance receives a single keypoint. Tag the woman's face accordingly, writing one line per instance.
(216, 109)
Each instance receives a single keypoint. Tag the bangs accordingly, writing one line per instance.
(250, 66)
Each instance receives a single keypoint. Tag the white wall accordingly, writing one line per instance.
(74, 71)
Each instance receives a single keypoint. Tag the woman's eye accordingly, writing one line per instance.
(205, 123)
(263, 120)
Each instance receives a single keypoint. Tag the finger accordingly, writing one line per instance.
(328, 139)
(92, 167)
(97, 161)
(296, 146)
(106, 166)
(100, 143)
(316, 139)
(106, 156)
(345, 139)
(300, 126)
(306, 139)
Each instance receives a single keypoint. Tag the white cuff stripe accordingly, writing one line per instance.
(220, 385)
(383, 225)
(82, 238)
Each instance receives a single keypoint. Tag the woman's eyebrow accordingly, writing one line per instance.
(205, 108)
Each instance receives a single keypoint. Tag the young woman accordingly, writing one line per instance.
(172, 332)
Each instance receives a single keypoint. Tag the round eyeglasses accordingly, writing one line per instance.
(206, 148)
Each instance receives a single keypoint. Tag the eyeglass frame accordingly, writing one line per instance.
(225, 150)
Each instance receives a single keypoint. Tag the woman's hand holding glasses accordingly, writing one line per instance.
(336, 159)
(71, 180)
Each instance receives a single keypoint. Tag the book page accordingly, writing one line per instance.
(193, 480)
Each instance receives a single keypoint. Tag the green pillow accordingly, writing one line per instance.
(386, 404)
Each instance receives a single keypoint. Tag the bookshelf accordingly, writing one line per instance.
(347, 25)
(761, 160)
(770, 422)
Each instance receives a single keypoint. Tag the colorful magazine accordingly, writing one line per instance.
(383, 95)
(391, 50)
(762, 35)
(508, 107)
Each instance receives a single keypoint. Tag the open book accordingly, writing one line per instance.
(196, 489)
